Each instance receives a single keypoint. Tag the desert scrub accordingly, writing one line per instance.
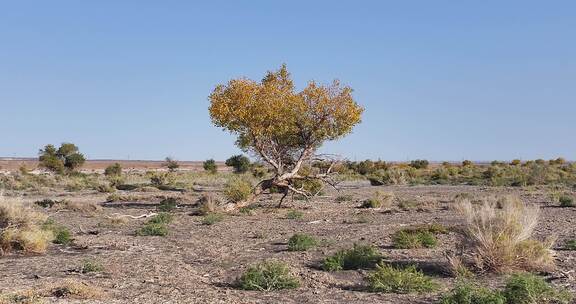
(343, 198)
(212, 218)
(61, 233)
(379, 200)
(498, 236)
(570, 245)
(156, 226)
(466, 292)
(389, 279)
(358, 257)
(237, 190)
(525, 288)
(418, 237)
(267, 276)
(566, 201)
(301, 242)
(294, 215)
(89, 266)
(168, 204)
(408, 239)
(21, 228)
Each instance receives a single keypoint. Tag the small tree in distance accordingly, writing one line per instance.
(240, 163)
(66, 158)
(171, 164)
(282, 127)
(210, 166)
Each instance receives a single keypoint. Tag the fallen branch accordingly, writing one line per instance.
(133, 216)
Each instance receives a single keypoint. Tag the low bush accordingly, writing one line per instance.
(358, 257)
(301, 242)
(237, 190)
(210, 166)
(212, 218)
(498, 236)
(389, 279)
(566, 201)
(379, 200)
(570, 245)
(167, 204)
(156, 226)
(470, 293)
(267, 276)
(408, 239)
(525, 288)
(89, 266)
(294, 215)
(240, 163)
(419, 164)
(113, 170)
(61, 233)
(343, 198)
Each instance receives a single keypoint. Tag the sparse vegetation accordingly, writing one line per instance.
(294, 215)
(90, 265)
(240, 163)
(156, 226)
(500, 238)
(171, 164)
(358, 257)
(237, 189)
(566, 201)
(113, 170)
(301, 242)
(570, 245)
(390, 279)
(212, 218)
(67, 157)
(168, 204)
(209, 165)
(61, 233)
(268, 276)
(414, 238)
(467, 292)
(21, 228)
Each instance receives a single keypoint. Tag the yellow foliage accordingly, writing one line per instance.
(278, 123)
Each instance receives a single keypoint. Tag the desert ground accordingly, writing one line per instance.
(200, 263)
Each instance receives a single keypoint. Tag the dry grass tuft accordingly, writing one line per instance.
(499, 235)
(66, 289)
(20, 228)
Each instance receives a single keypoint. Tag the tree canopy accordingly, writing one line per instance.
(282, 126)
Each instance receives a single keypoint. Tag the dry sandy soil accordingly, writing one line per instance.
(199, 263)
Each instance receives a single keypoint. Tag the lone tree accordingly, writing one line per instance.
(67, 157)
(284, 127)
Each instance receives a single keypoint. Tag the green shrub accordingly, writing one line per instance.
(470, 293)
(343, 198)
(156, 226)
(407, 239)
(240, 163)
(171, 164)
(113, 170)
(210, 166)
(379, 200)
(267, 276)
(237, 190)
(259, 171)
(358, 257)
(168, 204)
(91, 266)
(570, 245)
(566, 201)
(161, 218)
(419, 164)
(301, 242)
(418, 237)
(67, 157)
(153, 229)
(212, 218)
(62, 234)
(294, 215)
(389, 279)
(526, 288)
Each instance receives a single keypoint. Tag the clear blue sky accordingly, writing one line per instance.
(441, 80)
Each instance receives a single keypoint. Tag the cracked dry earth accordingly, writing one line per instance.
(199, 263)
